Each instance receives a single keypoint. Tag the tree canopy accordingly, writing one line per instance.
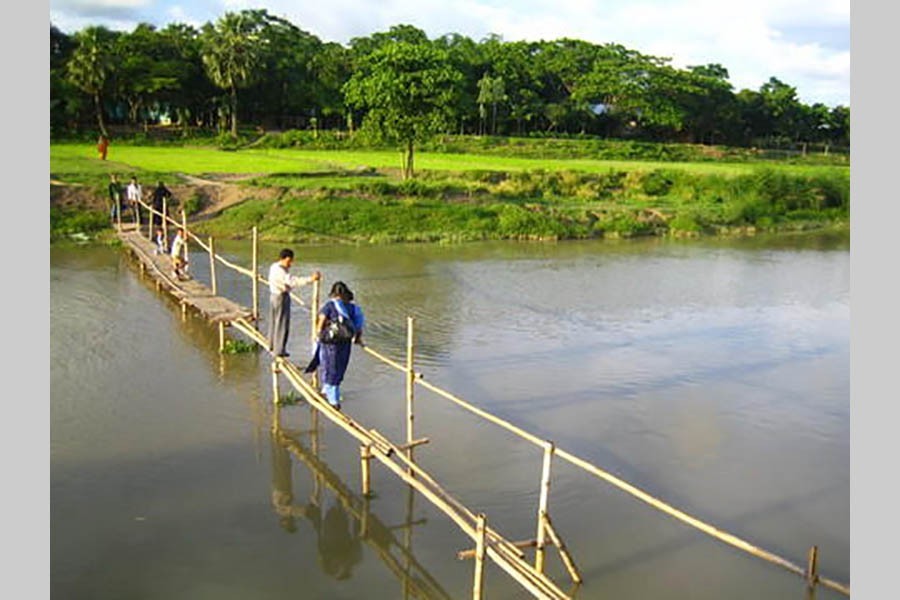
(255, 68)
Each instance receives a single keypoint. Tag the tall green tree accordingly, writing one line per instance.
(407, 91)
(232, 54)
(491, 91)
(91, 65)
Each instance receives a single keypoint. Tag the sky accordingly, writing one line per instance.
(804, 43)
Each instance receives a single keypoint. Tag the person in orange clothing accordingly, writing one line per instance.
(102, 146)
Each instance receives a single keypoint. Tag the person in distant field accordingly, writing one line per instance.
(332, 352)
(102, 146)
(179, 255)
(134, 195)
(159, 194)
(115, 196)
(280, 284)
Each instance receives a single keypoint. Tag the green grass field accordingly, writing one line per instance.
(80, 160)
(357, 195)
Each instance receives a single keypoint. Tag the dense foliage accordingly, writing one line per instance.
(254, 69)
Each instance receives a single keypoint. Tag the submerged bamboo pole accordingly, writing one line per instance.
(542, 508)
(212, 266)
(479, 556)
(255, 276)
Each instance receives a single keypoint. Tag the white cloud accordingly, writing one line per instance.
(84, 6)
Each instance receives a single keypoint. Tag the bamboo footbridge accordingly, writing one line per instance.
(398, 457)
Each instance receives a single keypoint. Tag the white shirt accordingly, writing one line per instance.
(281, 281)
(177, 244)
(133, 192)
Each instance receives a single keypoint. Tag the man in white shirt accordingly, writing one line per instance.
(280, 284)
(133, 194)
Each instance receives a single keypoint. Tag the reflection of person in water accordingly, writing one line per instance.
(339, 544)
(339, 547)
(282, 486)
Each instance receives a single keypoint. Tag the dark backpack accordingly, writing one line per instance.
(339, 330)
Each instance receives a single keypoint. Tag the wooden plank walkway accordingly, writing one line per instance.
(191, 292)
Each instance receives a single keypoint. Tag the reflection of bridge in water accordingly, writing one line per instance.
(489, 544)
(347, 521)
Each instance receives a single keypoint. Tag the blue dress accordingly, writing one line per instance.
(334, 358)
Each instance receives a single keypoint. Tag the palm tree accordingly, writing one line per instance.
(231, 55)
(91, 65)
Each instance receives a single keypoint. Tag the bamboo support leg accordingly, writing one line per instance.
(812, 567)
(365, 455)
(563, 551)
(275, 393)
(480, 527)
(165, 222)
(542, 508)
(212, 267)
(313, 334)
(255, 275)
(221, 337)
(410, 385)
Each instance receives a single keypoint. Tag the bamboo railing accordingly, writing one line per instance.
(399, 459)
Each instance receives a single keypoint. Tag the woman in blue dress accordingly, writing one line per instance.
(339, 325)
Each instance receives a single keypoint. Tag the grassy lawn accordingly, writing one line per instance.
(357, 195)
(79, 160)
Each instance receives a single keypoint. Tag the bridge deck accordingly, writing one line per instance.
(190, 292)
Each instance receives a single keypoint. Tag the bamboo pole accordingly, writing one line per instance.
(410, 383)
(255, 275)
(542, 508)
(150, 212)
(118, 214)
(387, 360)
(681, 516)
(186, 235)
(812, 567)
(365, 455)
(165, 221)
(275, 393)
(221, 337)
(563, 551)
(479, 557)
(484, 414)
(313, 333)
(212, 266)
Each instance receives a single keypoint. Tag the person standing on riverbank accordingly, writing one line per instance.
(159, 194)
(134, 194)
(280, 284)
(115, 196)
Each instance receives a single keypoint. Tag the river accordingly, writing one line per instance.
(714, 374)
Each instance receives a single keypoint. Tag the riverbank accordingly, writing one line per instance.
(301, 195)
